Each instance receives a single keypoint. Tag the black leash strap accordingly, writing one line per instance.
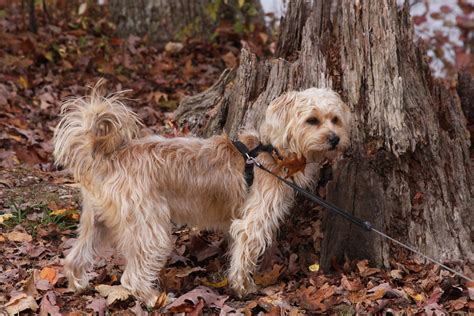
(363, 224)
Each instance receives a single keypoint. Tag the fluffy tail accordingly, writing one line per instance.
(92, 128)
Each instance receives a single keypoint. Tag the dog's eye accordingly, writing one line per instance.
(335, 120)
(312, 121)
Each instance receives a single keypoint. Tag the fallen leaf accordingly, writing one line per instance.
(5, 217)
(364, 270)
(113, 293)
(434, 309)
(162, 300)
(357, 297)
(211, 298)
(137, 310)
(49, 274)
(30, 287)
(312, 299)
(197, 308)
(217, 284)
(173, 47)
(67, 212)
(459, 303)
(384, 290)
(48, 305)
(18, 236)
(98, 305)
(19, 303)
(270, 277)
(314, 267)
(184, 272)
(82, 8)
(23, 82)
(351, 285)
(396, 274)
(418, 297)
(292, 164)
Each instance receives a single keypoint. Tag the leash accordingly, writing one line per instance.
(367, 226)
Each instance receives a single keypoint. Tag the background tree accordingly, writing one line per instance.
(408, 170)
(167, 20)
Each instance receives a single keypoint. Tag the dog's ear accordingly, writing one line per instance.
(277, 118)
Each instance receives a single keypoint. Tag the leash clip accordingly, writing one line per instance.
(253, 160)
(249, 160)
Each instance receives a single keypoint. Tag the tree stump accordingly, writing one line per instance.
(408, 170)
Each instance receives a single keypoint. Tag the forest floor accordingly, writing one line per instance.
(40, 205)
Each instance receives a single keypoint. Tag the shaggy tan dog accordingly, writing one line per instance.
(134, 188)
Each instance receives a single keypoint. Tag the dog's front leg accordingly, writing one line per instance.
(253, 233)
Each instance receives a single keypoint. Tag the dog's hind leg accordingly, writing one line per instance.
(81, 257)
(146, 245)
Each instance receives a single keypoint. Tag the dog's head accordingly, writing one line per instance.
(314, 123)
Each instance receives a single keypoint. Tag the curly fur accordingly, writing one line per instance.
(134, 188)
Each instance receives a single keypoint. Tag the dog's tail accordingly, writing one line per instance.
(92, 128)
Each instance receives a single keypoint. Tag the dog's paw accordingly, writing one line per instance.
(78, 285)
(77, 282)
(243, 287)
(145, 293)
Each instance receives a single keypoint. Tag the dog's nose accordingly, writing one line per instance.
(333, 140)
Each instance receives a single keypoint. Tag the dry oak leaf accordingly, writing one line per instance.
(396, 274)
(18, 236)
(353, 285)
(293, 164)
(364, 270)
(383, 290)
(19, 303)
(48, 305)
(211, 298)
(271, 277)
(312, 299)
(49, 274)
(113, 293)
(98, 305)
(67, 212)
(184, 272)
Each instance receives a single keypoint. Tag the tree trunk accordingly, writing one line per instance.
(408, 170)
(168, 20)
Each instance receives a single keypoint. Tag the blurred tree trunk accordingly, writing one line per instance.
(32, 17)
(408, 170)
(168, 20)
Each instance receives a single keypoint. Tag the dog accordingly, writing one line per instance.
(134, 188)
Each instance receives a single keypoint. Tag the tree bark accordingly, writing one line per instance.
(168, 20)
(408, 170)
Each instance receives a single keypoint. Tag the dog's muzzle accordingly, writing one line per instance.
(333, 140)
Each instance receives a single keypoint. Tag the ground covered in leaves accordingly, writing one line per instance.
(40, 206)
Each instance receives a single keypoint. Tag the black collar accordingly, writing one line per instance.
(247, 154)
